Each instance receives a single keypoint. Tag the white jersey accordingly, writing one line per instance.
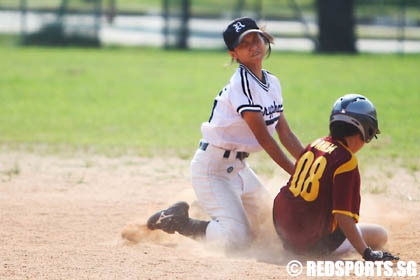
(245, 92)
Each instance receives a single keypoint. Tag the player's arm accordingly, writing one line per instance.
(349, 228)
(376, 238)
(346, 201)
(288, 138)
(257, 125)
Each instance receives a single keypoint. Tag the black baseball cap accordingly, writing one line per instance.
(237, 29)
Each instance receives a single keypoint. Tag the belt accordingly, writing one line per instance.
(239, 155)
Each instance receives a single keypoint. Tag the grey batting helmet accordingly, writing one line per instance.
(357, 110)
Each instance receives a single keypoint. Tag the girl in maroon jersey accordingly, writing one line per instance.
(317, 212)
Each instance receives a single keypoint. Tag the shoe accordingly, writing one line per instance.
(171, 219)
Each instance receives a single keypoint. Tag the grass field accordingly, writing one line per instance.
(149, 101)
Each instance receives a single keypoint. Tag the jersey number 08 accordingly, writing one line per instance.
(305, 180)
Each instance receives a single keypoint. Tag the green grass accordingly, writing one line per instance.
(311, 83)
(152, 101)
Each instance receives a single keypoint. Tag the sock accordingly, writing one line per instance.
(194, 228)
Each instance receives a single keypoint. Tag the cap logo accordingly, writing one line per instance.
(238, 26)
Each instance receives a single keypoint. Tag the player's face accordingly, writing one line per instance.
(251, 50)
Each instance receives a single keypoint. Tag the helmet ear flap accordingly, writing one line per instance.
(371, 133)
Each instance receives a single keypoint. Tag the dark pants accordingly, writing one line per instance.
(324, 246)
(328, 243)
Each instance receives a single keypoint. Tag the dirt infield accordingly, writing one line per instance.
(63, 217)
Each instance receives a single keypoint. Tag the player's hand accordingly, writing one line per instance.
(370, 255)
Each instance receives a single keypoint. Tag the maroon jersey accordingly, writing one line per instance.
(326, 181)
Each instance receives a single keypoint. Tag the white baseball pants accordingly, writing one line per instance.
(231, 193)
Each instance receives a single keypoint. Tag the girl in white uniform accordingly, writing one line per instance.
(245, 115)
